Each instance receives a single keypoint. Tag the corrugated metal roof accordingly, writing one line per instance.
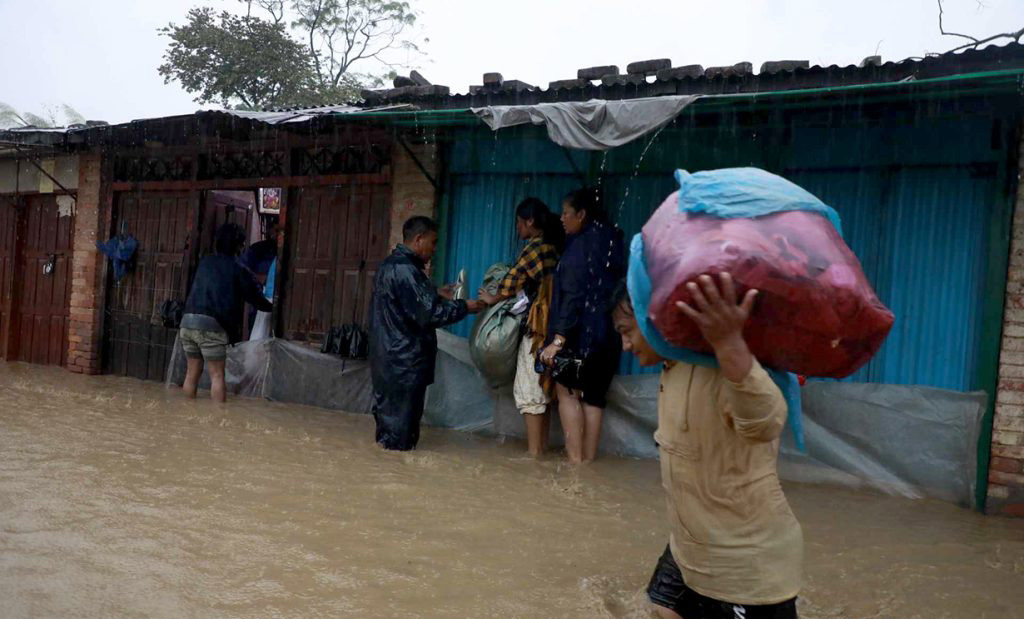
(739, 78)
(301, 115)
(269, 117)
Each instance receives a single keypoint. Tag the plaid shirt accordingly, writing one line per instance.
(537, 261)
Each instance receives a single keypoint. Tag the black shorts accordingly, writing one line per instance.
(596, 374)
(667, 589)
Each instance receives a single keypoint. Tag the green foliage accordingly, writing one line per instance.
(230, 59)
(305, 52)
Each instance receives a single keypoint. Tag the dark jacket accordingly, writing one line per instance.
(405, 311)
(221, 289)
(593, 263)
(260, 256)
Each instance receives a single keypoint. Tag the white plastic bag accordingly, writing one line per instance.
(260, 327)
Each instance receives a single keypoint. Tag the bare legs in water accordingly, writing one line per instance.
(537, 427)
(581, 424)
(218, 389)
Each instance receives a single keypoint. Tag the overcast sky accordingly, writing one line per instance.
(101, 56)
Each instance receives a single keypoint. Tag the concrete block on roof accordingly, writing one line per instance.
(418, 78)
(596, 73)
(516, 86)
(871, 61)
(431, 91)
(567, 84)
(623, 80)
(476, 90)
(778, 66)
(740, 68)
(648, 67)
(493, 79)
(401, 81)
(676, 73)
(402, 91)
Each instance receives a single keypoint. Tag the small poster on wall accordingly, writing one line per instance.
(270, 200)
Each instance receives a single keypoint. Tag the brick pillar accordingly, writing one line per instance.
(411, 191)
(84, 331)
(1006, 468)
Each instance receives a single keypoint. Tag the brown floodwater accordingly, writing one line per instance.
(119, 498)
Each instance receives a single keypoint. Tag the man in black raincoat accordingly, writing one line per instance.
(405, 311)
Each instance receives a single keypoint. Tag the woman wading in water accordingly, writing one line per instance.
(533, 275)
(583, 349)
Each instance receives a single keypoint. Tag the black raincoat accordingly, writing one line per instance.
(405, 312)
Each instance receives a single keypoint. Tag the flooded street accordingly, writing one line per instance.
(121, 499)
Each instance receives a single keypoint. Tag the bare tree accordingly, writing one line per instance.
(274, 8)
(341, 33)
(974, 42)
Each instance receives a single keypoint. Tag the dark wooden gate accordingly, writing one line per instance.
(8, 220)
(136, 343)
(337, 237)
(42, 283)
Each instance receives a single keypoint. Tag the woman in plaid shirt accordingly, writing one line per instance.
(532, 275)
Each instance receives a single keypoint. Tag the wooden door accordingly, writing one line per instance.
(8, 221)
(42, 283)
(136, 342)
(337, 237)
(221, 207)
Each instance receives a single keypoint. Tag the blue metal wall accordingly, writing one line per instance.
(921, 237)
(916, 203)
(481, 221)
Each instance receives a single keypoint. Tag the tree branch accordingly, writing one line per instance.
(1016, 36)
(318, 13)
(952, 34)
(974, 41)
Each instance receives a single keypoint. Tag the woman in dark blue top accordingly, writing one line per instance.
(580, 326)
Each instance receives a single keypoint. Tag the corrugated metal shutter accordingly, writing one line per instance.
(920, 234)
(481, 220)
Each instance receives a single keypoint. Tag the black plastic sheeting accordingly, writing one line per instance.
(908, 441)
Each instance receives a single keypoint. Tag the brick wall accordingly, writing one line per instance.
(411, 193)
(84, 330)
(1006, 468)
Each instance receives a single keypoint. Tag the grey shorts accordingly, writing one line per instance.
(202, 344)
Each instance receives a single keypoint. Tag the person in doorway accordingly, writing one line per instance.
(582, 347)
(533, 276)
(405, 310)
(214, 308)
(260, 258)
(735, 548)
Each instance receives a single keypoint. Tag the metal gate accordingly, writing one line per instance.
(135, 341)
(337, 237)
(41, 285)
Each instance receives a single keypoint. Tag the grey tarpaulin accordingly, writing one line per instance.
(285, 371)
(590, 125)
(909, 441)
(288, 372)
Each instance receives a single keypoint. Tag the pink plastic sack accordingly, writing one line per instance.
(816, 314)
